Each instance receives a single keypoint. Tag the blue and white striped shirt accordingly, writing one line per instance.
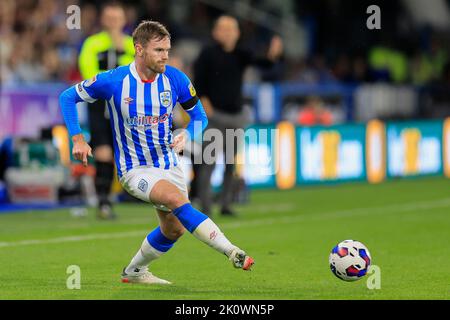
(141, 113)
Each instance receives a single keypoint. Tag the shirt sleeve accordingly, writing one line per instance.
(198, 121)
(187, 96)
(67, 101)
(98, 87)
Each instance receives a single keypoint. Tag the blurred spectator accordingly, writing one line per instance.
(352, 70)
(388, 64)
(428, 66)
(314, 113)
(35, 44)
(312, 71)
(421, 69)
(218, 78)
(100, 52)
(24, 64)
(89, 20)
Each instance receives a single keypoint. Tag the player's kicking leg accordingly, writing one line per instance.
(199, 224)
(172, 227)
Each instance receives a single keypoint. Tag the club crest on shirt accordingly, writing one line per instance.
(90, 81)
(165, 97)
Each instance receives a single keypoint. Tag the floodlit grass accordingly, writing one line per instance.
(405, 224)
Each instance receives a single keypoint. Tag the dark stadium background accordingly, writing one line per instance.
(383, 180)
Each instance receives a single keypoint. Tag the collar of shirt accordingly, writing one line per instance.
(136, 75)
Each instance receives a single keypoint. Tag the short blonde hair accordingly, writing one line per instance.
(148, 30)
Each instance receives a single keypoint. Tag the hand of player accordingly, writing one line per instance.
(81, 150)
(179, 142)
(275, 49)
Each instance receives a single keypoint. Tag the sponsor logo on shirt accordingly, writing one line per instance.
(146, 121)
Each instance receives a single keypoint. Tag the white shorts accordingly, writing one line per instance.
(140, 181)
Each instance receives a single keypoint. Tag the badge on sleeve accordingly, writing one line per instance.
(192, 90)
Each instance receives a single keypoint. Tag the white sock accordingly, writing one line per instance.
(209, 233)
(143, 257)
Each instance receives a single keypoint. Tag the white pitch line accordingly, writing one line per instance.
(395, 208)
(73, 238)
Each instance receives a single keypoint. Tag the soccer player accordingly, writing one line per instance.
(141, 97)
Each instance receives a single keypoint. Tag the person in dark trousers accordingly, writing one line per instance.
(102, 51)
(218, 73)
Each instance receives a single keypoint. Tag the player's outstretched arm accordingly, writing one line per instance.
(68, 99)
(195, 127)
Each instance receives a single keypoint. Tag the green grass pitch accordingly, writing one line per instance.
(404, 223)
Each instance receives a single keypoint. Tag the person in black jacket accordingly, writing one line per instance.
(218, 75)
